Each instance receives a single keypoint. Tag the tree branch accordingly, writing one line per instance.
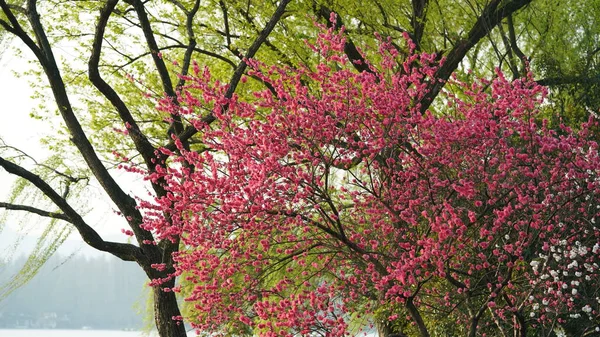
(239, 71)
(492, 15)
(30, 209)
(126, 204)
(17, 30)
(161, 68)
(417, 318)
(142, 144)
(417, 20)
(127, 252)
(513, 42)
(191, 44)
(563, 80)
(357, 60)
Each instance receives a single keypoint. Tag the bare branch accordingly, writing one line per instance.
(30, 209)
(142, 145)
(191, 44)
(160, 65)
(127, 252)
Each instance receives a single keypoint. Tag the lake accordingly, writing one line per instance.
(70, 333)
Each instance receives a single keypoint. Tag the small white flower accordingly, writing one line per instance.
(573, 254)
(556, 257)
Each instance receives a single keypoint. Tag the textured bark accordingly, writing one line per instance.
(385, 329)
(165, 309)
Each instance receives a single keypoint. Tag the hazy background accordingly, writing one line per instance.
(76, 288)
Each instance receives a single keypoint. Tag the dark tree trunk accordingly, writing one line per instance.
(385, 329)
(165, 309)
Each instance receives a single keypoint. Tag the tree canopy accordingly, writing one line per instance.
(333, 195)
(135, 50)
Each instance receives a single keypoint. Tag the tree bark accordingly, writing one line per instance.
(385, 329)
(166, 312)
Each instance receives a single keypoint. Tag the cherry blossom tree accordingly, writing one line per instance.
(331, 199)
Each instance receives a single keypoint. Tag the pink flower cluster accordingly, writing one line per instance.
(334, 195)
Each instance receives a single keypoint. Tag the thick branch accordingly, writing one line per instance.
(492, 15)
(158, 61)
(127, 252)
(418, 19)
(417, 318)
(358, 61)
(124, 202)
(142, 144)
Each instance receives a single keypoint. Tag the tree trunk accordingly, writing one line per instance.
(385, 329)
(165, 308)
